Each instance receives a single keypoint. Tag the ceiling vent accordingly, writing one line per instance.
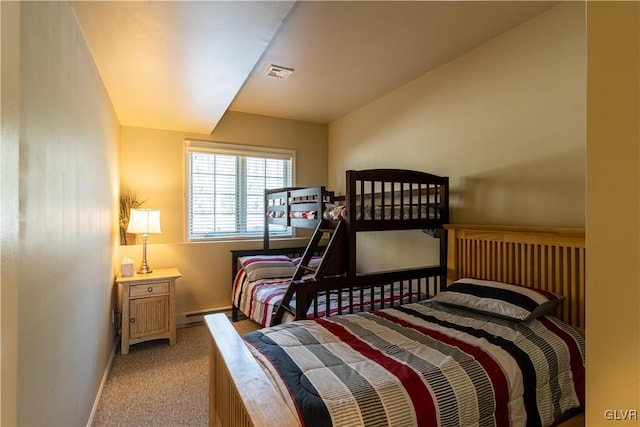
(279, 72)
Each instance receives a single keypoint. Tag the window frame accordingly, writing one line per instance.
(215, 147)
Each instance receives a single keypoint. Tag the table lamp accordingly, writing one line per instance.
(145, 222)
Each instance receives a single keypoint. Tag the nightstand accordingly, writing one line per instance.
(148, 307)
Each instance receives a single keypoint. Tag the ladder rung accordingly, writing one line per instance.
(289, 309)
(308, 268)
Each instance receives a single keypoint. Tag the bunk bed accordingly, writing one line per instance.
(297, 207)
(259, 380)
(379, 199)
(375, 200)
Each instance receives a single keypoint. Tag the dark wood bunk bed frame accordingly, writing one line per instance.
(284, 207)
(375, 200)
(241, 394)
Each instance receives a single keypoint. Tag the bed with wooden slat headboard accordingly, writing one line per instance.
(547, 258)
(552, 259)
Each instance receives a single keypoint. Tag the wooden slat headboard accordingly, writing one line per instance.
(545, 258)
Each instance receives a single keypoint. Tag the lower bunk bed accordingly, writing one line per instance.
(501, 345)
(261, 279)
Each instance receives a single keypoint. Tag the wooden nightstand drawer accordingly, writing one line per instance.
(148, 289)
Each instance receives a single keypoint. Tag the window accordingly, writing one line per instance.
(225, 188)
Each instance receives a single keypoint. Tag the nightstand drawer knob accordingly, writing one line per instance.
(149, 289)
(132, 320)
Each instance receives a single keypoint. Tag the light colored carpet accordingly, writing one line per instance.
(161, 385)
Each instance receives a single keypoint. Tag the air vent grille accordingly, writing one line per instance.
(279, 72)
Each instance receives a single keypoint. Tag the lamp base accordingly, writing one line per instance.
(144, 270)
(144, 267)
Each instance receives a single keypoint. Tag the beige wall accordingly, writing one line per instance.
(523, 90)
(613, 213)
(9, 210)
(506, 122)
(152, 166)
(61, 275)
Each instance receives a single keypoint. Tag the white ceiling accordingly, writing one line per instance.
(180, 65)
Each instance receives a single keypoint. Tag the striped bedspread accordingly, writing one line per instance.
(257, 299)
(424, 364)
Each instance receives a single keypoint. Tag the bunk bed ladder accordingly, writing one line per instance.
(333, 263)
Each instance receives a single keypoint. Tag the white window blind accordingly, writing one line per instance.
(226, 184)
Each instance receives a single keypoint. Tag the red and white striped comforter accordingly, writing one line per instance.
(424, 364)
(257, 299)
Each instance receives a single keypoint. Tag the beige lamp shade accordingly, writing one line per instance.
(144, 221)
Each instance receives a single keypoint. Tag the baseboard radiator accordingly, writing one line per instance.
(196, 317)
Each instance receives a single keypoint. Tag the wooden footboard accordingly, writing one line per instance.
(240, 394)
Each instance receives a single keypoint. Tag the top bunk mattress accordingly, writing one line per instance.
(382, 213)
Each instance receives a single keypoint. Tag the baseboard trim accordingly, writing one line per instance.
(105, 376)
(194, 317)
